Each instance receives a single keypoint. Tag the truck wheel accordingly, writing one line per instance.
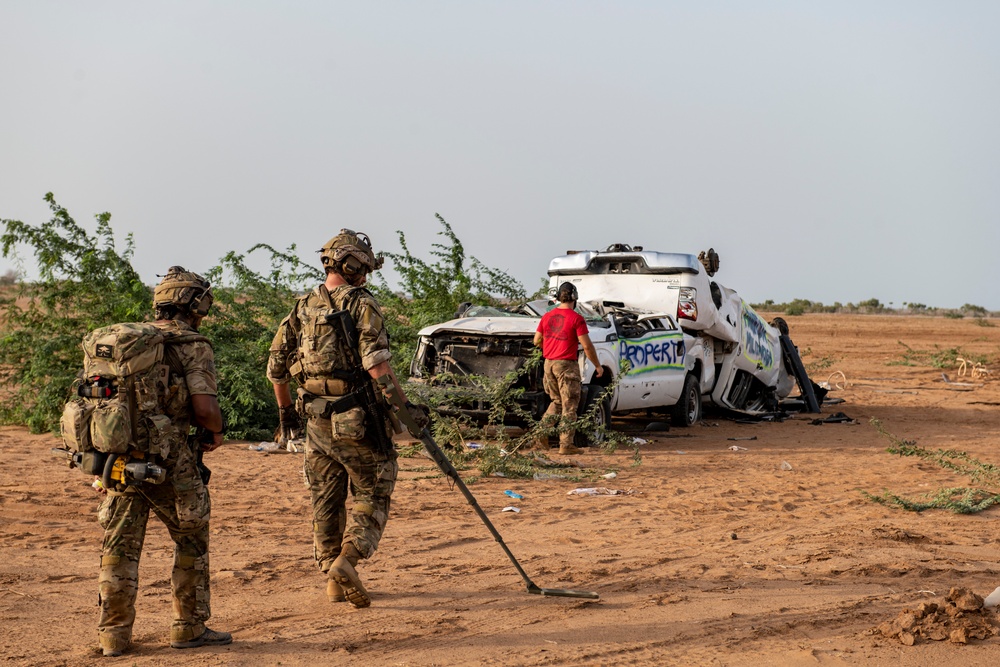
(687, 412)
(602, 418)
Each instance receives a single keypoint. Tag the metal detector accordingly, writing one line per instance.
(442, 461)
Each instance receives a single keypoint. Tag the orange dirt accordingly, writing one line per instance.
(719, 557)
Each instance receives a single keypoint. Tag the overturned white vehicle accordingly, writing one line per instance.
(685, 338)
(745, 365)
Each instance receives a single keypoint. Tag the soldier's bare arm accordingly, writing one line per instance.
(208, 414)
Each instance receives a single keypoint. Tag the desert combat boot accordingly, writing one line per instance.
(343, 572)
(207, 638)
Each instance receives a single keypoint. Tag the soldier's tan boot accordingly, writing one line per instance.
(112, 647)
(342, 572)
(334, 591)
(207, 638)
(569, 450)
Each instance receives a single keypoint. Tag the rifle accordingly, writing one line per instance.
(372, 404)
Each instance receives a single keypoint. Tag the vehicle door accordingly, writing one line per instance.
(656, 354)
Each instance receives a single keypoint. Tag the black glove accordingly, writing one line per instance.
(291, 424)
(420, 414)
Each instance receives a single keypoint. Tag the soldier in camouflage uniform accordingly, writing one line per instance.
(347, 447)
(182, 502)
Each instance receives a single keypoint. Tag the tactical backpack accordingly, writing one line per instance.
(123, 391)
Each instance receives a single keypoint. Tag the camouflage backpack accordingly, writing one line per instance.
(123, 391)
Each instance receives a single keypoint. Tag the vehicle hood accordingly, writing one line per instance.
(491, 326)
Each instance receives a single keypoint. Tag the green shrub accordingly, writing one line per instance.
(85, 282)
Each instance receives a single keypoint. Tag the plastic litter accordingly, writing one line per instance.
(474, 445)
(295, 446)
(785, 465)
(737, 448)
(610, 475)
(639, 441)
(993, 599)
(515, 510)
(510, 493)
(265, 447)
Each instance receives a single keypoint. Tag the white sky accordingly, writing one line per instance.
(832, 151)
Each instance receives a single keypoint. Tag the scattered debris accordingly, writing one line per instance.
(835, 418)
(958, 618)
(600, 491)
(785, 465)
(639, 441)
(974, 369)
(737, 448)
(657, 426)
(948, 380)
(748, 437)
(516, 496)
(993, 599)
(610, 475)
(840, 383)
(515, 510)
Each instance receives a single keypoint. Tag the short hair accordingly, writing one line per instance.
(567, 293)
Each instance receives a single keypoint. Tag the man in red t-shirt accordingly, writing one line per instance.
(560, 333)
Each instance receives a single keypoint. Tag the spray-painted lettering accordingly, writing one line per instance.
(650, 354)
(756, 346)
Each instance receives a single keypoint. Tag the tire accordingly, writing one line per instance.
(687, 411)
(602, 418)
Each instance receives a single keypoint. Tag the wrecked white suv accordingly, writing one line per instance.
(669, 369)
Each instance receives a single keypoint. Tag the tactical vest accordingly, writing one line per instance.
(127, 395)
(323, 365)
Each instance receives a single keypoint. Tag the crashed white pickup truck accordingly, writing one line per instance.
(665, 363)
(684, 336)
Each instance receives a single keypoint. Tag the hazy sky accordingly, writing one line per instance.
(832, 151)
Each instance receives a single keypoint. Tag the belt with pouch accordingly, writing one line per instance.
(325, 406)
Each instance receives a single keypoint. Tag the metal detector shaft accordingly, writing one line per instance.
(448, 469)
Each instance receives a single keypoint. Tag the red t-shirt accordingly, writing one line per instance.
(561, 330)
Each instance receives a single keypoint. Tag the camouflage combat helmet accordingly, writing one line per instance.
(185, 290)
(352, 251)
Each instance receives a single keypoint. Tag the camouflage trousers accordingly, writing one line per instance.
(562, 382)
(339, 458)
(182, 503)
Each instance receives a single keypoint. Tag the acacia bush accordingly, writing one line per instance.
(86, 282)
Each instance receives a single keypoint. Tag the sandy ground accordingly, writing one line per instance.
(720, 557)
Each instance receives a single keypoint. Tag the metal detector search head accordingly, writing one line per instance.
(562, 592)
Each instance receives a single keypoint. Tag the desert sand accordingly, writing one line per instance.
(764, 555)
